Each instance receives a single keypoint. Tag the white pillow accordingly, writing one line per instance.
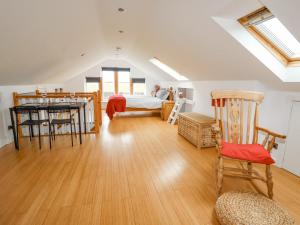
(162, 94)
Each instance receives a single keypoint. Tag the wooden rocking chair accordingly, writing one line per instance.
(237, 114)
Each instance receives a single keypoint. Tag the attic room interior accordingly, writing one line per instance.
(149, 112)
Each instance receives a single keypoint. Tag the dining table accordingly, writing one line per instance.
(44, 107)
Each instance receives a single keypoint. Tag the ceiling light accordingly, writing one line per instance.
(121, 9)
(167, 69)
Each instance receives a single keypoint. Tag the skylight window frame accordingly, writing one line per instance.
(167, 69)
(247, 21)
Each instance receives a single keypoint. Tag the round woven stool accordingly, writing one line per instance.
(245, 208)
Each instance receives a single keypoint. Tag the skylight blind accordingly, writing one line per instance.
(276, 32)
(258, 17)
(275, 40)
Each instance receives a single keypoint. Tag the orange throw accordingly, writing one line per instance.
(116, 103)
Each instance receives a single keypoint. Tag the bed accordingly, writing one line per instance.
(127, 103)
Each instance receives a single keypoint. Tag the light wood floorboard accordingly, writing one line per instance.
(137, 171)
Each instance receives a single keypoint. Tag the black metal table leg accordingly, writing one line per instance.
(16, 141)
(84, 118)
(31, 127)
(79, 121)
(39, 129)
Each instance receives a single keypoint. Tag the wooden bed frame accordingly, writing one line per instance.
(128, 109)
(164, 111)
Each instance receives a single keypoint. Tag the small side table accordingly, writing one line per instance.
(166, 109)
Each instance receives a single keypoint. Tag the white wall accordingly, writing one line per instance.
(6, 101)
(274, 112)
(78, 83)
(275, 109)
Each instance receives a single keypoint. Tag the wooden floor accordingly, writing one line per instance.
(136, 171)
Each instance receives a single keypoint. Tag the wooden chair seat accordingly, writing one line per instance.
(254, 153)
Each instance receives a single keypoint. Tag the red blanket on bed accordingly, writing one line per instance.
(116, 103)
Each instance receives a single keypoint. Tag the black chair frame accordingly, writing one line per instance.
(52, 122)
(30, 122)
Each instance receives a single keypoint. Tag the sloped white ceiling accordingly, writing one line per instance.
(41, 41)
(44, 39)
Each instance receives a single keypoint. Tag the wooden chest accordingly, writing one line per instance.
(196, 128)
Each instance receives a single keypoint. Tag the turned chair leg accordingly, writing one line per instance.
(269, 181)
(249, 166)
(220, 176)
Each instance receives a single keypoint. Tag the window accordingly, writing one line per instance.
(124, 82)
(108, 80)
(92, 84)
(138, 86)
(117, 81)
(267, 29)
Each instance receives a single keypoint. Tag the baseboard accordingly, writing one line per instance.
(3, 142)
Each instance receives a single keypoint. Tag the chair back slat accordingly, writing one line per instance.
(249, 118)
(256, 119)
(241, 114)
(241, 121)
(228, 119)
(235, 120)
(221, 117)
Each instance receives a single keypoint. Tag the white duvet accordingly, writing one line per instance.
(147, 102)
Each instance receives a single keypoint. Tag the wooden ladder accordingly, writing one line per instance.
(175, 111)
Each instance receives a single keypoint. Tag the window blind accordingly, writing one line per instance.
(115, 69)
(138, 80)
(92, 79)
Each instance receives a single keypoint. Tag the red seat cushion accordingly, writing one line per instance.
(250, 152)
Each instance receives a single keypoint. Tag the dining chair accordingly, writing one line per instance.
(237, 116)
(30, 121)
(58, 117)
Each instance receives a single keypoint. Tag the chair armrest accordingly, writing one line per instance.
(269, 143)
(276, 135)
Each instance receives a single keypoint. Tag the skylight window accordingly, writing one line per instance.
(168, 69)
(263, 25)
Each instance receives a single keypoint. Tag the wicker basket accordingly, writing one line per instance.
(250, 208)
(196, 128)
